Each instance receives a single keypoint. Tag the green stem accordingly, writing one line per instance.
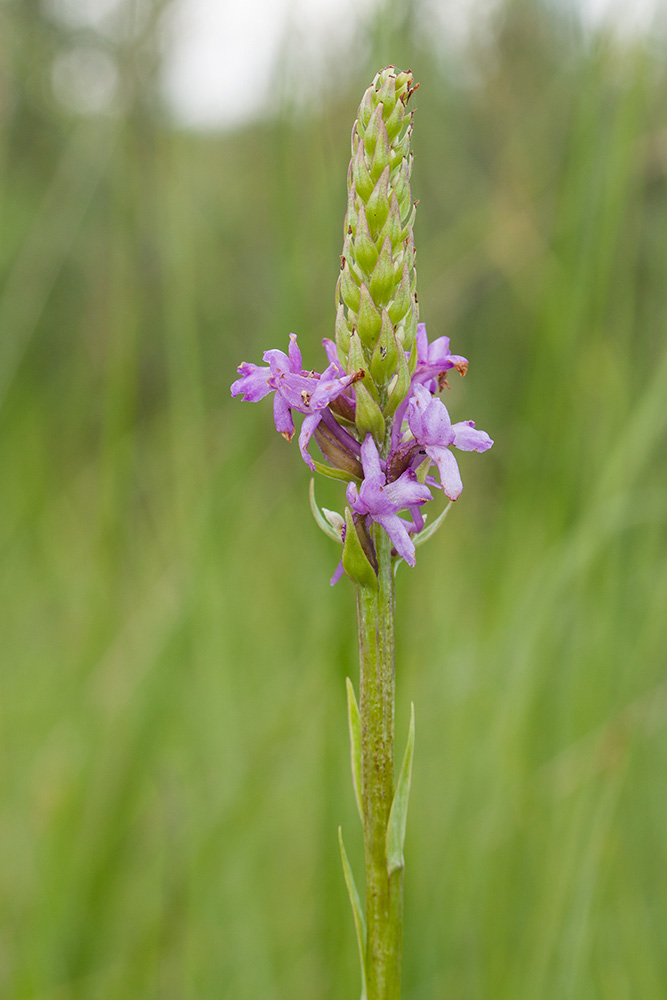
(384, 894)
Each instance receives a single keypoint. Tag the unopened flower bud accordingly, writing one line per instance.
(369, 418)
(369, 319)
(377, 281)
(401, 386)
(385, 356)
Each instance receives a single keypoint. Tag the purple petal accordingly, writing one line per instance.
(352, 494)
(406, 491)
(438, 351)
(467, 438)
(296, 364)
(450, 477)
(297, 390)
(337, 575)
(436, 425)
(429, 420)
(417, 518)
(307, 427)
(254, 382)
(373, 497)
(332, 355)
(277, 359)
(370, 459)
(434, 360)
(328, 387)
(397, 530)
(415, 412)
(282, 416)
(398, 422)
(422, 342)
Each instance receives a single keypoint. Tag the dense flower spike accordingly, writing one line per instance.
(376, 295)
(374, 410)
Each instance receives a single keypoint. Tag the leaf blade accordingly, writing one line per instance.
(354, 723)
(399, 807)
(320, 519)
(357, 912)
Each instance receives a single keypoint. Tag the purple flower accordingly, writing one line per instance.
(434, 432)
(434, 361)
(381, 500)
(328, 388)
(295, 389)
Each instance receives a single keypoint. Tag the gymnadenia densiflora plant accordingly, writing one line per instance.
(375, 417)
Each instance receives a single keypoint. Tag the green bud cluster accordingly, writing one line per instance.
(376, 300)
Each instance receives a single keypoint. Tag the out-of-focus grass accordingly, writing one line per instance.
(174, 758)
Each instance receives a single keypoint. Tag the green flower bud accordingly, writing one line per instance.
(368, 320)
(377, 206)
(372, 130)
(365, 109)
(365, 251)
(369, 418)
(361, 175)
(385, 356)
(382, 155)
(382, 280)
(402, 298)
(358, 557)
(348, 289)
(410, 327)
(358, 361)
(401, 386)
(394, 122)
(388, 93)
(342, 334)
(393, 227)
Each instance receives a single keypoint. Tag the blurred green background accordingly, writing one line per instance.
(173, 749)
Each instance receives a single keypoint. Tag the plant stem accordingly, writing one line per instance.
(384, 895)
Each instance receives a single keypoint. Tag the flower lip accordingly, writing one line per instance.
(381, 501)
(434, 432)
(434, 360)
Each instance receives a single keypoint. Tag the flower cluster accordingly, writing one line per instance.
(421, 433)
(374, 412)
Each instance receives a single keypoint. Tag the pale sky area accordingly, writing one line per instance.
(220, 54)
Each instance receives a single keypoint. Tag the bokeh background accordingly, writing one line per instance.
(173, 749)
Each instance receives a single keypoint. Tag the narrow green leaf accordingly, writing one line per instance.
(357, 912)
(399, 807)
(430, 530)
(320, 519)
(354, 721)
